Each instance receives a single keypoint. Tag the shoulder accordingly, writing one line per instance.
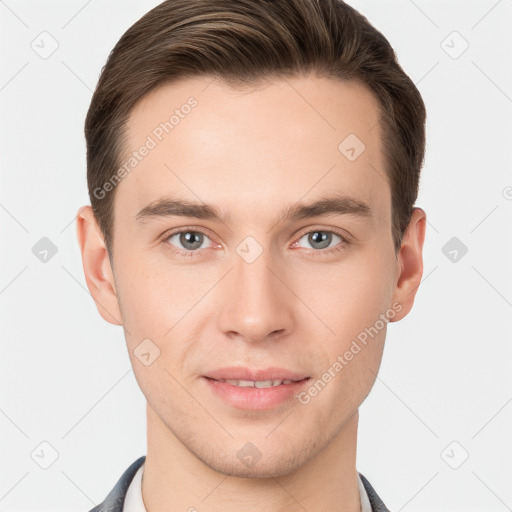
(114, 501)
(375, 501)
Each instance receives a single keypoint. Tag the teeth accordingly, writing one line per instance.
(261, 384)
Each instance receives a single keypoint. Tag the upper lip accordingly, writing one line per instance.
(241, 373)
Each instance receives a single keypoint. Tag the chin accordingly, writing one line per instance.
(262, 469)
(261, 459)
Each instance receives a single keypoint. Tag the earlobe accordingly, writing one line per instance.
(96, 264)
(410, 263)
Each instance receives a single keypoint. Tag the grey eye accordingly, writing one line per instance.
(189, 240)
(320, 239)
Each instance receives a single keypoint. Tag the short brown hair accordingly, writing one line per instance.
(244, 42)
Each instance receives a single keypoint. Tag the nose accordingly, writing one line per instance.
(256, 304)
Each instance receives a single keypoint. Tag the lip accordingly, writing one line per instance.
(249, 398)
(243, 373)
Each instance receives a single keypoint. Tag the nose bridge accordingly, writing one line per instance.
(256, 302)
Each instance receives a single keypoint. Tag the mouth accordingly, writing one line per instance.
(260, 384)
(252, 392)
(238, 373)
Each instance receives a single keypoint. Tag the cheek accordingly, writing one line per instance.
(351, 300)
(156, 296)
(349, 297)
(160, 317)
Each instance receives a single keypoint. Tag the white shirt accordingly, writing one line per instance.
(134, 503)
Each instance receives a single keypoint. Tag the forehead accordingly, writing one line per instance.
(253, 147)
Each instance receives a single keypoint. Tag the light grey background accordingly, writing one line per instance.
(445, 386)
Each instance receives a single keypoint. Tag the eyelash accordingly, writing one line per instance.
(191, 254)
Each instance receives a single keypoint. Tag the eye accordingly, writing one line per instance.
(321, 239)
(187, 241)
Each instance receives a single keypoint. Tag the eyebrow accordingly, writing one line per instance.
(332, 205)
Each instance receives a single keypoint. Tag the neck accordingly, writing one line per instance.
(175, 479)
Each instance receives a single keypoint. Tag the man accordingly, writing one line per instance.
(264, 157)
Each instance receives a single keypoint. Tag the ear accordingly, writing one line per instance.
(410, 263)
(98, 272)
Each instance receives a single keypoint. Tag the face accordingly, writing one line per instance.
(251, 234)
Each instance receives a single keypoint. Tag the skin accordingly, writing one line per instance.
(252, 152)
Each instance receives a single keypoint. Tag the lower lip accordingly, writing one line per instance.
(255, 398)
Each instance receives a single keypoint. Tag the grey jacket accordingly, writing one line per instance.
(114, 502)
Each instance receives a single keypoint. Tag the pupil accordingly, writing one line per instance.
(193, 239)
(323, 239)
